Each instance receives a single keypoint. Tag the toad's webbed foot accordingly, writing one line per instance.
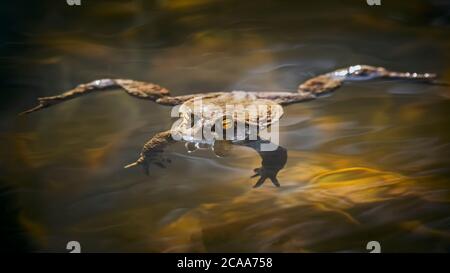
(273, 161)
(263, 175)
(152, 152)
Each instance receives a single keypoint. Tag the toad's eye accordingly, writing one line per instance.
(362, 73)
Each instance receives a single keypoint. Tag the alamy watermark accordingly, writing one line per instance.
(201, 122)
(374, 247)
(73, 2)
(373, 2)
(74, 247)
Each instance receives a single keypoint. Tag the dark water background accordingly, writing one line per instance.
(369, 163)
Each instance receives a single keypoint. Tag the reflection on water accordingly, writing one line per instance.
(367, 163)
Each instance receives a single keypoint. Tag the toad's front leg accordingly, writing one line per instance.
(152, 152)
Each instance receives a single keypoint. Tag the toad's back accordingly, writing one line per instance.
(241, 106)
